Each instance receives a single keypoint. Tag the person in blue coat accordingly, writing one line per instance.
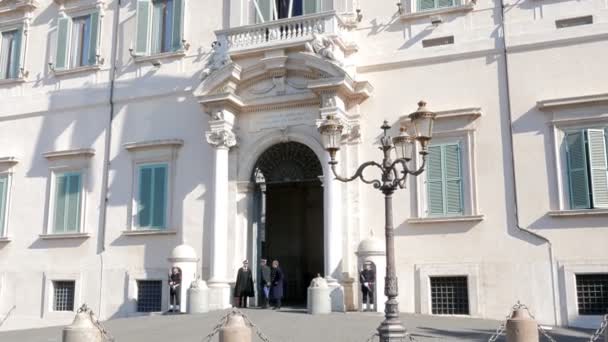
(276, 287)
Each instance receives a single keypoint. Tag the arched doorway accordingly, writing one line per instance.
(289, 215)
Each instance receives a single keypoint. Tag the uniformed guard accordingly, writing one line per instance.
(367, 278)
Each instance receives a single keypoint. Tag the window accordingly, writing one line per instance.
(3, 203)
(77, 41)
(159, 26)
(444, 180)
(149, 295)
(425, 5)
(68, 189)
(592, 293)
(63, 295)
(10, 54)
(267, 10)
(587, 168)
(449, 296)
(152, 196)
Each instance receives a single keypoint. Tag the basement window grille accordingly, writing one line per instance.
(592, 293)
(449, 296)
(578, 21)
(438, 41)
(149, 295)
(63, 295)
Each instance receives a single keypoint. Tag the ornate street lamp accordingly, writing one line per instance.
(393, 174)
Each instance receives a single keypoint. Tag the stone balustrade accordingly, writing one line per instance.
(282, 32)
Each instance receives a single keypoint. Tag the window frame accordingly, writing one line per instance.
(560, 130)
(71, 15)
(54, 295)
(67, 172)
(455, 4)
(443, 143)
(255, 18)
(140, 55)
(19, 26)
(569, 270)
(138, 183)
(48, 292)
(158, 274)
(153, 153)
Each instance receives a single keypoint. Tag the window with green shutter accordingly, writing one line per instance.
(159, 26)
(266, 10)
(152, 196)
(68, 192)
(3, 203)
(77, 41)
(444, 180)
(587, 165)
(425, 5)
(10, 53)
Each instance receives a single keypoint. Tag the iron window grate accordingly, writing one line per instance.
(592, 293)
(149, 295)
(449, 296)
(63, 299)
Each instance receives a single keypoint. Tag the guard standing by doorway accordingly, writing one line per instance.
(367, 278)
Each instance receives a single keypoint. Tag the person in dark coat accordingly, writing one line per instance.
(175, 283)
(265, 283)
(367, 278)
(276, 289)
(243, 287)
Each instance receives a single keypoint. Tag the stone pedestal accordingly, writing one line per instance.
(81, 330)
(336, 293)
(319, 299)
(198, 297)
(219, 296)
(521, 327)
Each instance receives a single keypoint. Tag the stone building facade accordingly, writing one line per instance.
(130, 127)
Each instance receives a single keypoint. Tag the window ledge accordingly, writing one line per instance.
(5, 239)
(12, 80)
(447, 219)
(142, 232)
(578, 212)
(82, 152)
(58, 236)
(159, 56)
(77, 70)
(439, 11)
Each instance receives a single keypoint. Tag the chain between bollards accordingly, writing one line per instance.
(224, 319)
(502, 326)
(105, 334)
(408, 338)
(600, 331)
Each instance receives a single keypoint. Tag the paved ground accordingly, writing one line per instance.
(291, 325)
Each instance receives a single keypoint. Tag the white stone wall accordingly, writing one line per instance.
(47, 112)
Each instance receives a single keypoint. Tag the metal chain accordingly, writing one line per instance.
(501, 327)
(105, 334)
(600, 331)
(7, 315)
(217, 328)
(372, 338)
(540, 328)
(258, 332)
(410, 337)
(224, 320)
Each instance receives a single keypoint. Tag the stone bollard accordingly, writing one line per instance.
(235, 330)
(521, 327)
(198, 297)
(319, 297)
(606, 334)
(82, 330)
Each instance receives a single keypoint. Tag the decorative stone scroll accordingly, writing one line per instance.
(221, 138)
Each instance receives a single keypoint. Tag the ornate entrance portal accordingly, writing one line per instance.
(290, 215)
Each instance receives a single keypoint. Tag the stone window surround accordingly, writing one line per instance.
(410, 12)
(251, 14)
(23, 21)
(48, 278)
(425, 271)
(6, 169)
(465, 134)
(151, 152)
(160, 274)
(568, 272)
(73, 9)
(77, 160)
(566, 115)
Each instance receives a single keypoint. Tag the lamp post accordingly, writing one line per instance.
(393, 175)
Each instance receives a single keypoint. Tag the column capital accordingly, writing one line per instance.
(223, 138)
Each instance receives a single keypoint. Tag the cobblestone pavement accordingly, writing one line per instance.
(291, 325)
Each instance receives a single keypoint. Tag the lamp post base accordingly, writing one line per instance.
(391, 330)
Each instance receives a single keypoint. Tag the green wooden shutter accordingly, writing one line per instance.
(178, 25)
(159, 197)
(145, 198)
(61, 183)
(16, 54)
(94, 38)
(3, 202)
(309, 6)
(265, 7)
(143, 27)
(598, 167)
(63, 32)
(444, 3)
(452, 179)
(577, 170)
(424, 5)
(435, 181)
(73, 203)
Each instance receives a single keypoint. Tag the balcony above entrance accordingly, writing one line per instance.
(288, 32)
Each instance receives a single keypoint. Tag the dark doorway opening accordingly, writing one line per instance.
(291, 228)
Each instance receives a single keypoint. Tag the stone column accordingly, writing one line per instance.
(221, 137)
